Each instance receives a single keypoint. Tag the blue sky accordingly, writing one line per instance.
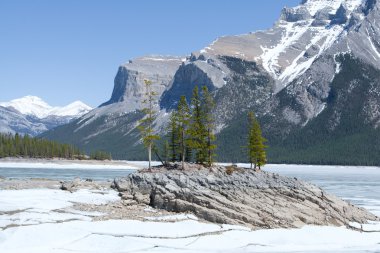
(66, 50)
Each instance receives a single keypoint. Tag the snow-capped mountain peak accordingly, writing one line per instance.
(31, 115)
(74, 109)
(29, 105)
(35, 106)
(313, 6)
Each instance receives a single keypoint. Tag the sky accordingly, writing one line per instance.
(68, 50)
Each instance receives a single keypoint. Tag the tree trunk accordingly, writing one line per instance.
(183, 148)
(209, 147)
(150, 154)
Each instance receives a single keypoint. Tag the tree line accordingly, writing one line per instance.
(31, 147)
(191, 130)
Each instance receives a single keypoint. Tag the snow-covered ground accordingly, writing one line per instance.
(45, 220)
(67, 164)
(39, 227)
(31, 221)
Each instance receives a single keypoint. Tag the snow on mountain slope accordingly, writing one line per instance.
(75, 109)
(313, 6)
(29, 105)
(35, 106)
(11, 121)
(31, 115)
(301, 35)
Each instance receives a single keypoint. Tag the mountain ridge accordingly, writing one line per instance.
(31, 115)
(287, 74)
(35, 106)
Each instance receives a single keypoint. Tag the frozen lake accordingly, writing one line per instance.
(360, 185)
(64, 174)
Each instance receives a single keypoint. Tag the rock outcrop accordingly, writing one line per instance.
(239, 196)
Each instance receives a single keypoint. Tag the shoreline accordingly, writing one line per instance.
(55, 163)
(87, 213)
(119, 164)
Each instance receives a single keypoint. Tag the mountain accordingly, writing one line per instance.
(313, 80)
(31, 115)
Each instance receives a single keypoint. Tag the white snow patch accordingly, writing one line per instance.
(321, 109)
(184, 236)
(296, 68)
(48, 200)
(338, 66)
(292, 32)
(314, 6)
(374, 49)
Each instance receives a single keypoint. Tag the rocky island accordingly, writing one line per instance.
(239, 196)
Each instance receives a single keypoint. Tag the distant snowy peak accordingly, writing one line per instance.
(29, 105)
(35, 106)
(76, 108)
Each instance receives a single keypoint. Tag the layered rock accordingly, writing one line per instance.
(129, 81)
(239, 196)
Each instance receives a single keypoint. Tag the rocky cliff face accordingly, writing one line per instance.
(129, 81)
(241, 196)
(286, 74)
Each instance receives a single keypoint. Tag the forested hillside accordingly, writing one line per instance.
(26, 146)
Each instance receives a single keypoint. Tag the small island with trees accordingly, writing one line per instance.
(191, 131)
(190, 181)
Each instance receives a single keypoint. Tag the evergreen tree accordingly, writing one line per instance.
(207, 107)
(100, 155)
(2, 153)
(188, 153)
(196, 129)
(256, 147)
(173, 136)
(146, 124)
(166, 154)
(25, 146)
(183, 117)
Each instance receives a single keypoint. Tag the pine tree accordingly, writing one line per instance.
(25, 146)
(256, 147)
(166, 150)
(196, 130)
(173, 136)
(146, 124)
(188, 153)
(183, 117)
(207, 107)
